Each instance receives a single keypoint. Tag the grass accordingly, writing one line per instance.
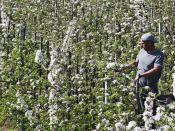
(8, 126)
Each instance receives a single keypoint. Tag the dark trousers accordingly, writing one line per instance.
(143, 97)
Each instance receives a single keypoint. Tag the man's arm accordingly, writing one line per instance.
(135, 63)
(151, 72)
(130, 65)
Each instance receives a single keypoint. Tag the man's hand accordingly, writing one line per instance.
(123, 68)
(119, 70)
(136, 80)
(127, 66)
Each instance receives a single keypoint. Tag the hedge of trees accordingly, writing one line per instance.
(54, 63)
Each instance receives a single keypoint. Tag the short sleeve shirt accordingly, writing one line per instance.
(147, 61)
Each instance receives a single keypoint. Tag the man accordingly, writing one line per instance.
(149, 62)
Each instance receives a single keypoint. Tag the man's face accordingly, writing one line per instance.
(145, 45)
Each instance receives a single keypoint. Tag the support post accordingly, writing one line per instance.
(35, 40)
(106, 88)
(48, 62)
(76, 72)
(24, 33)
(21, 32)
(160, 31)
(168, 100)
(40, 70)
(14, 30)
(137, 97)
(103, 86)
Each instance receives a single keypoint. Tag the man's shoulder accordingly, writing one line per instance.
(158, 52)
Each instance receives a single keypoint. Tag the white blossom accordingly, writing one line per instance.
(120, 126)
(3, 54)
(148, 113)
(137, 129)
(17, 93)
(39, 127)
(53, 107)
(131, 125)
(119, 104)
(147, 87)
(52, 93)
(18, 107)
(111, 65)
(171, 106)
(28, 113)
(114, 81)
(68, 35)
(82, 70)
(54, 67)
(39, 57)
(166, 128)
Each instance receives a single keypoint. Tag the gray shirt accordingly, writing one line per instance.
(147, 61)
